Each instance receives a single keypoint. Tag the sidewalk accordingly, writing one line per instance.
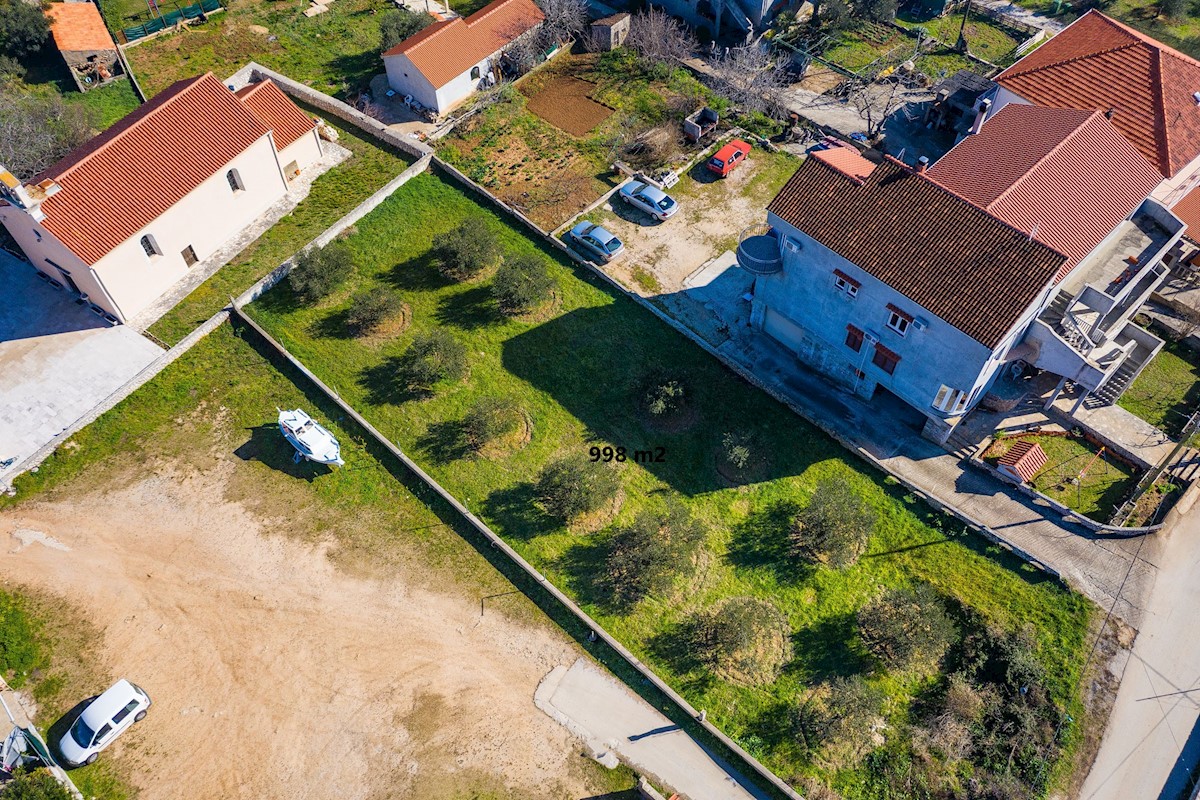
(619, 726)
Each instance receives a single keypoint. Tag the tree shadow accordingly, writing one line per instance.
(471, 308)
(583, 564)
(831, 649)
(385, 384)
(761, 542)
(774, 727)
(419, 274)
(267, 446)
(516, 513)
(444, 441)
(335, 325)
(673, 646)
(701, 174)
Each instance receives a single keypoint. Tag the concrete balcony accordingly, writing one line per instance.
(758, 250)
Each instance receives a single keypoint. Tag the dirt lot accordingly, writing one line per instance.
(566, 103)
(275, 673)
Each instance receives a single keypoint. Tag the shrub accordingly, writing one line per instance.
(464, 252)
(643, 558)
(522, 284)
(489, 419)
(24, 29)
(19, 651)
(663, 395)
(906, 628)
(432, 357)
(572, 485)
(838, 721)
(398, 25)
(368, 310)
(736, 450)
(36, 784)
(318, 272)
(744, 640)
(834, 527)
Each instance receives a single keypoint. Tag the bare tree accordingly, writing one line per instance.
(565, 20)
(658, 37)
(750, 77)
(36, 131)
(877, 101)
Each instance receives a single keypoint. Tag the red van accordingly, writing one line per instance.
(728, 157)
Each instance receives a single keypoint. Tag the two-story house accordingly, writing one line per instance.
(125, 216)
(1033, 240)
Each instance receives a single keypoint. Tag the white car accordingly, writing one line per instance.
(105, 718)
(651, 199)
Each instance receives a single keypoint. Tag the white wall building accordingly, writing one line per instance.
(447, 62)
(122, 218)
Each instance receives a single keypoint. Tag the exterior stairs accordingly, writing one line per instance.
(1186, 466)
(1114, 386)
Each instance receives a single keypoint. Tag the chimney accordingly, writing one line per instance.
(1112, 112)
(922, 164)
(981, 112)
(28, 198)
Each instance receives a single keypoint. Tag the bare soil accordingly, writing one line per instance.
(566, 103)
(277, 673)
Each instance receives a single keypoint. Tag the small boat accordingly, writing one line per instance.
(310, 439)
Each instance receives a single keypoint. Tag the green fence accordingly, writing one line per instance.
(170, 19)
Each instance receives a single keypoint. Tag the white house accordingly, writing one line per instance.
(444, 64)
(122, 218)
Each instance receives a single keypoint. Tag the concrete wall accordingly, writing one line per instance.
(305, 151)
(805, 294)
(406, 79)
(461, 88)
(206, 218)
(51, 257)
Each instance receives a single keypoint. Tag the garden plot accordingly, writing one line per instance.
(566, 103)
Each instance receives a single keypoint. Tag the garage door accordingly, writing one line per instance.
(783, 330)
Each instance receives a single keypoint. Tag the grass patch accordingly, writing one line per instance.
(1096, 495)
(1168, 390)
(986, 39)
(576, 374)
(332, 196)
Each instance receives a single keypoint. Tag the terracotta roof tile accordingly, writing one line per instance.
(126, 177)
(1064, 176)
(1188, 210)
(1024, 459)
(78, 27)
(276, 112)
(447, 49)
(1099, 64)
(953, 259)
(846, 160)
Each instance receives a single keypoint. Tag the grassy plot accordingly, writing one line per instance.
(46, 72)
(575, 371)
(1168, 390)
(986, 39)
(331, 197)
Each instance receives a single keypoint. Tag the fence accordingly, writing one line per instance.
(170, 19)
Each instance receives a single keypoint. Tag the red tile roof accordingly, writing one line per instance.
(275, 111)
(1066, 177)
(1099, 64)
(126, 177)
(78, 27)
(447, 49)
(1024, 459)
(969, 268)
(846, 160)
(1188, 210)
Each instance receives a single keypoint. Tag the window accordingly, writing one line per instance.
(125, 712)
(235, 181)
(854, 338)
(898, 320)
(844, 283)
(885, 359)
(103, 733)
(189, 255)
(950, 400)
(474, 73)
(150, 246)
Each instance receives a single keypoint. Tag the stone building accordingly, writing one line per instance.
(81, 37)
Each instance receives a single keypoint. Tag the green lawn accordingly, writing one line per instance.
(46, 72)
(332, 196)
(986, 39)
(1104, 484)
(574, 375)
(1168, 390)
(1182, 33)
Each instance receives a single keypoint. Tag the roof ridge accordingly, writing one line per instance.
(1160, 110)
(486, 11)
(1065, 61)
(1045, 156)
(103, 146)
(1145, 38)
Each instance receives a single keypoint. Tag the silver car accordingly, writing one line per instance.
(597, 241)
(651, 199)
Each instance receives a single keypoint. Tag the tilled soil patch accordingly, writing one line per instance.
(565, 103)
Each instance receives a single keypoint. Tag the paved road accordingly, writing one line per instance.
(1155, 717)
(616, 723)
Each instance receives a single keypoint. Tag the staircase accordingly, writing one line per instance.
(1186, 466)
(1117, 384)
(1053, 313)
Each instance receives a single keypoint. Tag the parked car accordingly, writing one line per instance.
(728, 157)
(651, 199)
(597, 241)
(104, 719)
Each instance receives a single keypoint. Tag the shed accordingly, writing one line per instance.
(83, 39)
(609, 33)
(1023, 461)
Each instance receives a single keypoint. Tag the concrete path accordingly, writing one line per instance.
(620, 726)
(1018, 13)
(1154, 719)
(58, 360)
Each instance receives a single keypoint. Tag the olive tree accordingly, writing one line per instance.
(572, 485)
(489, 419)
(838, 721)
(399, 24)
(644, 557)
(905, 628)
(431, 358)
(318, 271)
(744, 640)
(464, 252)
(521, 284)
(371, 309)
(834, 527)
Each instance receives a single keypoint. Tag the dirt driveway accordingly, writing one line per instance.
(275, 673)
(712, 212)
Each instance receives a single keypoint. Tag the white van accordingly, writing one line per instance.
(105, 718)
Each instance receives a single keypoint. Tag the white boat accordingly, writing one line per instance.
(310, 439)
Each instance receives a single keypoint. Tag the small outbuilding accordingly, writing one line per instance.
(84, 42)
(610, 32)
(1023, 461)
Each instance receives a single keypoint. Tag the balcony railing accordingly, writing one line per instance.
(758, 250)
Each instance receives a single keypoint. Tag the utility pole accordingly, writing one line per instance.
(962, 45)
